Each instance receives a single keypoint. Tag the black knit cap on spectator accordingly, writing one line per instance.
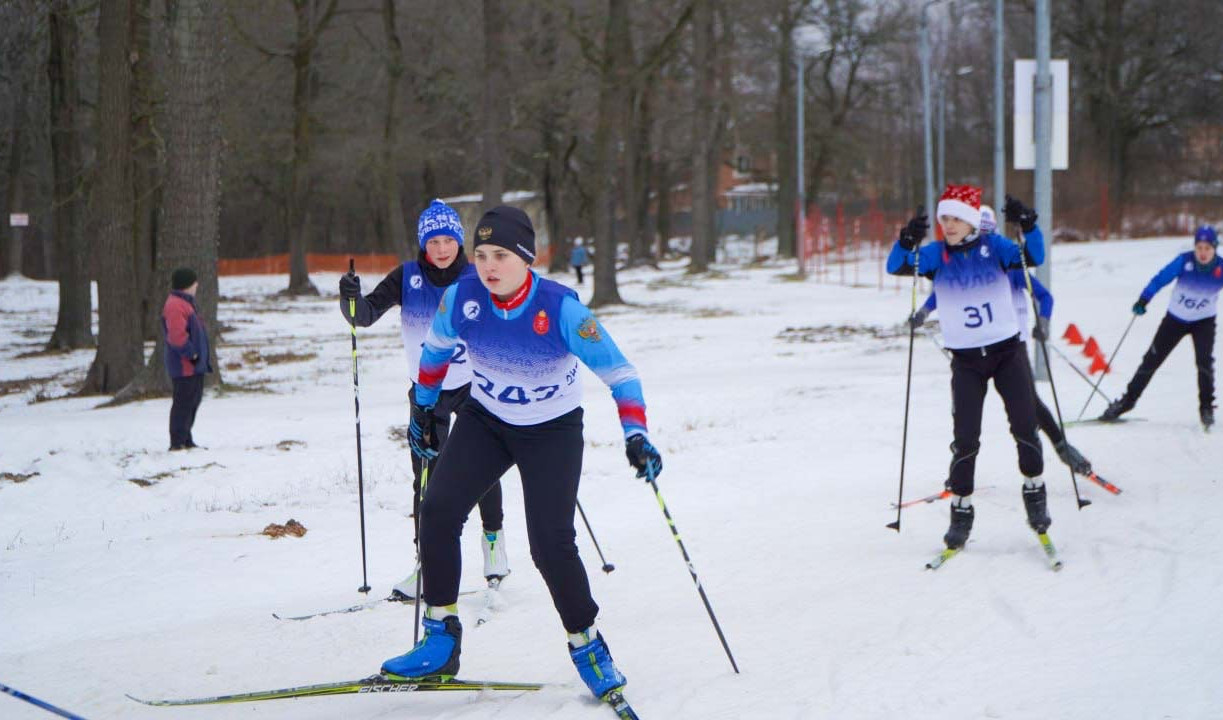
(182, 278)
(510, 228)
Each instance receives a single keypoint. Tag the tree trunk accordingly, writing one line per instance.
(612, 97)
(395, 224)
(15, 194)
(191, 214)
(704, 140)
(664, 206)
(299, 164)
(494, 106)
(120, 340)
(73, 326)
(784, 142)
(145, 162)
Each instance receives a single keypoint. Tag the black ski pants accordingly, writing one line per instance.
(1171, 331)
(578, 269)
(188, 393)
(549, 458)
(971, 370)
(448, 402)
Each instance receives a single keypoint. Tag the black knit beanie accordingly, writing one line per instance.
(182, 278)
(510, 228)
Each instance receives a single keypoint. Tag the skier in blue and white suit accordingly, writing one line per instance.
(980, 328)
(1045, 418)
(416, 287)
(525, 336)
(1191, 311)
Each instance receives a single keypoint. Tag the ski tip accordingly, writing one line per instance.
(142, 701)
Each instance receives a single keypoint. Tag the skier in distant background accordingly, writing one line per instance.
(416, 287)
(186, 356)
(1191, 311)
(525, 336)
(1045, 418)
(980, 328)
(578, 257)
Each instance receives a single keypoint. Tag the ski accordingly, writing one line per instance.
(928, 499)
(395, 599)
(942, 557)
(1098, 421)
(615, 699)
(372, 684)
(492, 600)
(1055, 563)
(1103, 483)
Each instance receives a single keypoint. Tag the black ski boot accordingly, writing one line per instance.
(961, 525)
(1073, 458)
(1208, 417)
(1036, 503)
(1116, 409)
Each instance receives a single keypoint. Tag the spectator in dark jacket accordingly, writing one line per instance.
(186, 355)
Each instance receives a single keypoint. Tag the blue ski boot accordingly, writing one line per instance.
(594, 662)
(435, 656)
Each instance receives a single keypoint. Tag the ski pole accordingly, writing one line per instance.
(424, 480)
(904, 437)
(1110, 364)
(1074, 481)
(356, 399)
(607, 567)
(1081, 374)
(692, 570)
(39, 703)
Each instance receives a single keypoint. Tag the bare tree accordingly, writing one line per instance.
(705, 137)
(396, 225)
(73, 326)
(120, 340)
(494, 105)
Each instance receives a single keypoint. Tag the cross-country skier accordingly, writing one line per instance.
(525, 336)
(1191, 311)
(1045, 419)
(416, 287)
(978, 323)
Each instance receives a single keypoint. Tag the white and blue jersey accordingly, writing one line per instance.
(524, 360)
(971, 281)
(417, 305)
(1019, 297)
(1196, 294)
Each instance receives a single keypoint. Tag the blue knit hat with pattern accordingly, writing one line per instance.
(438, 219)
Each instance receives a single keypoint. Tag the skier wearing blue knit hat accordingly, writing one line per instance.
(416, 287)
(1191, 311)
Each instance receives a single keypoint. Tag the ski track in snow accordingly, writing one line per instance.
(782, 452)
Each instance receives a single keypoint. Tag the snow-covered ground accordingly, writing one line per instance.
(777, 405)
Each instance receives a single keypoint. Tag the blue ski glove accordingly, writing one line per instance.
(644, 457)
(422, 432)
(1140, 307)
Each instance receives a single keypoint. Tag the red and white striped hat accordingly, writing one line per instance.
(963, 202)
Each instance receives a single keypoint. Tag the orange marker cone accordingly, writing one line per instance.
(1098, 364)
(1072, 335)
(1092, 348)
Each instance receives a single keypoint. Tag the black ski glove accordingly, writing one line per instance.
(1041, 330)
(1140, 307)
(918, 318)
(350, 286)
(912, 234)
(1017, 212)
(422, 432)
(644, 457)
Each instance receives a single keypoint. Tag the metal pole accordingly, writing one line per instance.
(801, 233)
(999, 112)
(1043, 174)
(924, 51)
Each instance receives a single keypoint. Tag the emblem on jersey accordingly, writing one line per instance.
(471, 309)
(985, 251)
(589, 330)
(541, 323)
(485, 232)
(1218, 272)
(415, 282)
(1188, 266)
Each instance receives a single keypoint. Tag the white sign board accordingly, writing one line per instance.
(1025, 125)
(18, 220)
